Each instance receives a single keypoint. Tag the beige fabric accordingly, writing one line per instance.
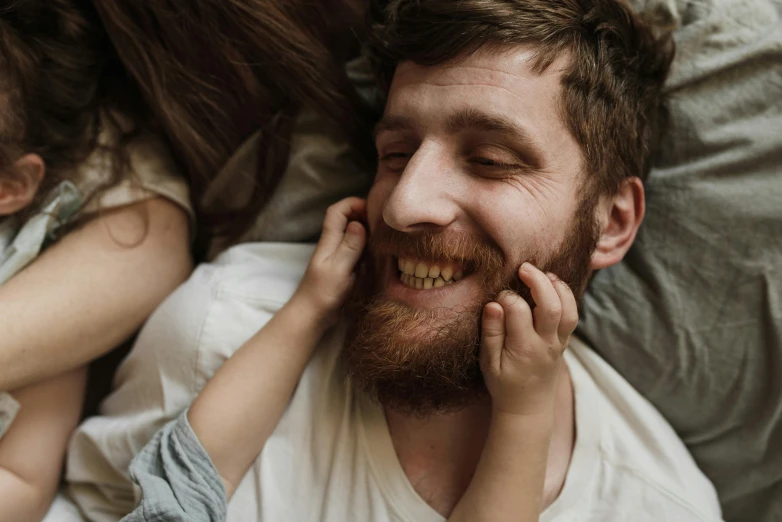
(152, 174)
(63, 510)
(322, 169)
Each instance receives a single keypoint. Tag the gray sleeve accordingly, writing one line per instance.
(178, 481)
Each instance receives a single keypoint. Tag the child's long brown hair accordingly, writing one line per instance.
(57, 87)
(216, 71)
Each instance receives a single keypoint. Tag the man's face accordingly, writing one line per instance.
(477, 174)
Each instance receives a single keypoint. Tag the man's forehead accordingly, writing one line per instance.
(493, 92)
(508, 67)
(498, 85)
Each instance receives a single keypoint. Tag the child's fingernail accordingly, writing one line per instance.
(492, 312)
(525, 267)
(354, 227)
(552, 277)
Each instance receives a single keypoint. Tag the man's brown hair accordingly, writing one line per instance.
(612, 85)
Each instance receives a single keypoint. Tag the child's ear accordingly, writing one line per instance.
(18, 191)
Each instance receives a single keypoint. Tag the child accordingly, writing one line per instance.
(94, 233)
(242, 403)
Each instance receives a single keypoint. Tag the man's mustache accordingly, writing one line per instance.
(426, 245)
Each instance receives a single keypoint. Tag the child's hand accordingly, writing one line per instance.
(329, 276)
(521, 351)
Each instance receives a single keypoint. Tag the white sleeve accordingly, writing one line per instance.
(182, 345)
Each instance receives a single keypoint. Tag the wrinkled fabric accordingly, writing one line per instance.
(184, 342)
(20, 243)
(699, 296)
(180, 482)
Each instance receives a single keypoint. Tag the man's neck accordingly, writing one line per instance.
(439, 453)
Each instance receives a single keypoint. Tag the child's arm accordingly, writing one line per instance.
(521, 356)
(91, 290)
(241, 405)
(33, 449)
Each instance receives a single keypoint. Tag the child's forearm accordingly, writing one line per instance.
(241, 405)
(33, 449)
(20, 500)
(508, 482)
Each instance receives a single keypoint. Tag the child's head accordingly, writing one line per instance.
(54, 60)
(20, 172)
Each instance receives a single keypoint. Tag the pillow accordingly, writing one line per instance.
(693, 316)
(322, 169)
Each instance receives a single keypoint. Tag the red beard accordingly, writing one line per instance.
(436, 370)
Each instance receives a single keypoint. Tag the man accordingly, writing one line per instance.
(514, 132)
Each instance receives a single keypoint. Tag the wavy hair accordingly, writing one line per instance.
(215, 72)
(58, 78)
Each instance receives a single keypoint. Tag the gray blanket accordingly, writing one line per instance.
(693, 316)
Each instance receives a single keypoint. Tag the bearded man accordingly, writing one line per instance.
(515, 133)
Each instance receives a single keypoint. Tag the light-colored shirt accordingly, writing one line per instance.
(331, 457)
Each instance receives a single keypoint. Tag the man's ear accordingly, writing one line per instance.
(619, 217)
(18, 190)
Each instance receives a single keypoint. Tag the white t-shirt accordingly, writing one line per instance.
(331, 459)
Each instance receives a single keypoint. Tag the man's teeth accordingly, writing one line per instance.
(446, 273)
(425, 283)
(423, 276)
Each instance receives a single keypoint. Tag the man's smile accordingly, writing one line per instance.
(423, 275)
(427, 284)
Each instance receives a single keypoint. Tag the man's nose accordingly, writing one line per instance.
(424, 195)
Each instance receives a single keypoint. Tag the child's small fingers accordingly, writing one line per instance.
(358, 209)
(337, 217)
(569, 320)
(352, 245)
(518, 317)
(548, 308)
(333, 227)
(492, 334)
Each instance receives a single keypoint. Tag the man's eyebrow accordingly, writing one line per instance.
(470, 119)
(392, 122)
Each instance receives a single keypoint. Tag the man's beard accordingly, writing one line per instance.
(436, 370)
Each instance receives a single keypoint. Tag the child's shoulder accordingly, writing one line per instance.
(147, 168)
